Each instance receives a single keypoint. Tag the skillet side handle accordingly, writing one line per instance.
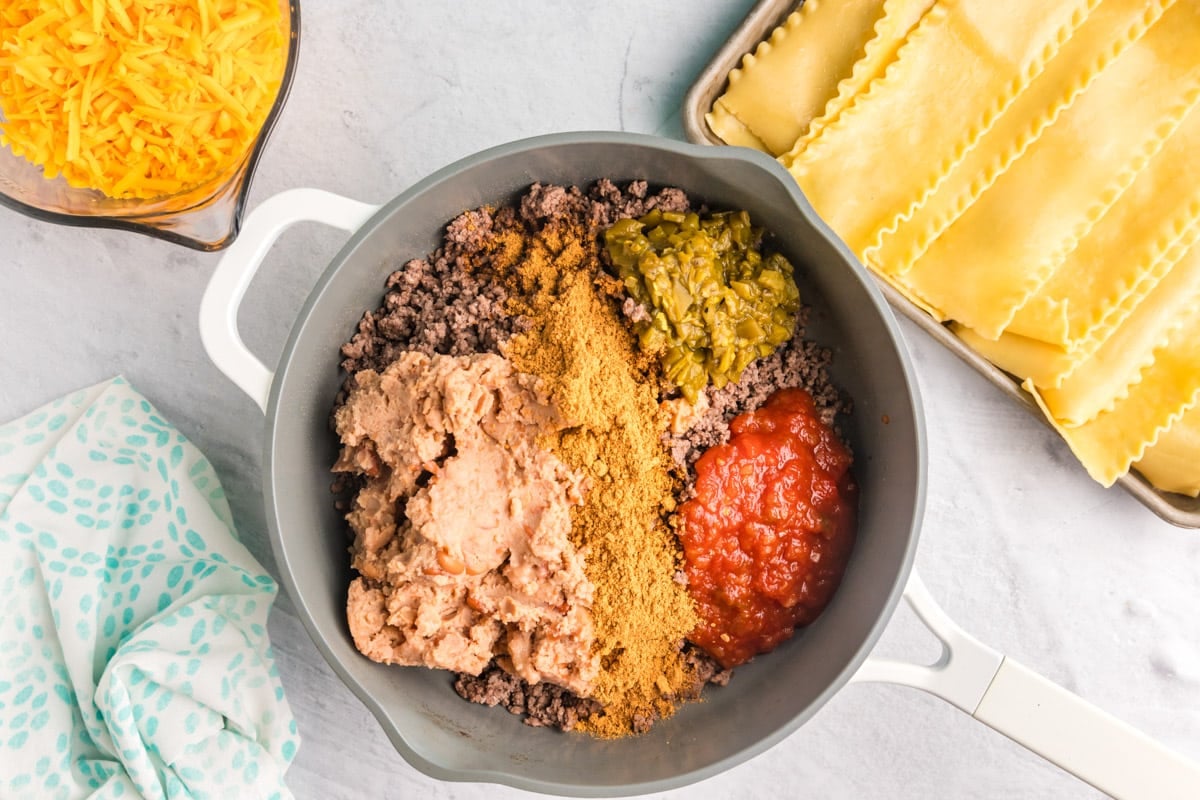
(235, 270)
(1112, 756)
(1034, 712)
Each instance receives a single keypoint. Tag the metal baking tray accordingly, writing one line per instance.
(766, 15)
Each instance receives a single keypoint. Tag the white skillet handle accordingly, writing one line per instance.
(231, 278)
(1059, 726)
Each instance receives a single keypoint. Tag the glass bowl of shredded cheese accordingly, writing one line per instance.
(142, 116)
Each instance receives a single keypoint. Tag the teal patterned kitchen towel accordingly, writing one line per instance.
(134, 658)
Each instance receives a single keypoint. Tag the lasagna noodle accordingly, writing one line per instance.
(1171, 463)
(725, 124)
(913, 297)
(1104, 379)
(1108, 31)
(1047, 365)
(959, 69)
(1108, 443)
(1027, 359)
(898, 20)
(786, 82)
(1121, 258)
(1004, 247)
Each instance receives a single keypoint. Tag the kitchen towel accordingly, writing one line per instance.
(134, 658)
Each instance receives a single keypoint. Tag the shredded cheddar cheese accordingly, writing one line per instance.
(138, 98)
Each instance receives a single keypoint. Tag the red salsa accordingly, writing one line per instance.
(767, 535)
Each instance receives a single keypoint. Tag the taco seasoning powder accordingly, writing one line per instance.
(588, 358)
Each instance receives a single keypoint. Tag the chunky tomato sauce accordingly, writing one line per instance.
(767, 535)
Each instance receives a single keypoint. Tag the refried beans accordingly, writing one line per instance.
(480, 565)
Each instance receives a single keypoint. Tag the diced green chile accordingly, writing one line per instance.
(715, 303)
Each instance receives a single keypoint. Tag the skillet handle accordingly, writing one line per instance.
(1034, 712)
(235, 270)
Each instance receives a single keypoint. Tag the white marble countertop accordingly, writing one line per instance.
(1080, 583)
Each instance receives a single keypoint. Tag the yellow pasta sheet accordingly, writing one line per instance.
(725, 124)
(1120, 259)
(1026, 358)
(891, 31)
(912, 296)
(1102, 380)
(1173, 462)
(786, 82)
(1049, 366)
(1108, 31)
(1004, 247)
(1109, 442)
(959, 69)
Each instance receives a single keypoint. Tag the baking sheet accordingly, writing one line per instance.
(763, 18)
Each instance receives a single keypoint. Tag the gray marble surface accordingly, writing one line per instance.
(1080, 583)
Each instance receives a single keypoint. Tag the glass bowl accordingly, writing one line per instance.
(204, 217)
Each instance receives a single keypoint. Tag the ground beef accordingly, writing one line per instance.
(799, 363)
(705, 668)
(547, 705)
(635, 311)
(542, 704)
(444, 304)
(603, 204)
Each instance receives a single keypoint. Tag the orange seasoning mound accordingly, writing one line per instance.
(138, 98)
(586, 354)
